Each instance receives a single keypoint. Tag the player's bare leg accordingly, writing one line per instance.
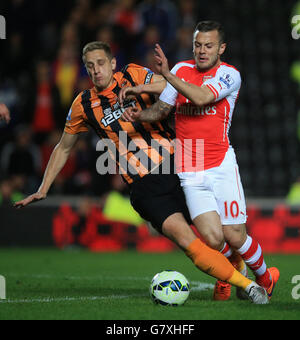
(210, 227)
(235, 234)
(209, 260)
(177, 230)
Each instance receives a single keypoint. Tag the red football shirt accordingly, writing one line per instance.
(202, 132)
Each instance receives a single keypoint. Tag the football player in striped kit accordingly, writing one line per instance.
(157, 196)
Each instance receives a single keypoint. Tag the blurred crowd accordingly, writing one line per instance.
(41, 72)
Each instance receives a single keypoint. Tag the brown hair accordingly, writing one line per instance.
(96, 45)
(207, 26)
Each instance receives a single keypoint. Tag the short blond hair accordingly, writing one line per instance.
(96, 45)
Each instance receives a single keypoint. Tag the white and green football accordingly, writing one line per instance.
(169, 288)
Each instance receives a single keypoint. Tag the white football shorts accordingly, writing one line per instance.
(217, 189)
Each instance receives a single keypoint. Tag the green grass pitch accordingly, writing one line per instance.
(51, 284)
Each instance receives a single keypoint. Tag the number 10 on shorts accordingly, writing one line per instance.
(232, 209)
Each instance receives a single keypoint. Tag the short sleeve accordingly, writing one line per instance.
(226, 82)
(169, 94)
(140, 74)
(75, 120)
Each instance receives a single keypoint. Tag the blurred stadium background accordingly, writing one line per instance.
(41, 72)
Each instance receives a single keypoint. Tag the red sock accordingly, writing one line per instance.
(226, 251)
(251, 253)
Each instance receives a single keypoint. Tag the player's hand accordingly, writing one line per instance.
(131, 115)
(4, 113)
(128, 92)
(30, 199)
(161, 62)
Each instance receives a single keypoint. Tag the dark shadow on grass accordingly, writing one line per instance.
(282, 307)
(205, 295)
(82, 292)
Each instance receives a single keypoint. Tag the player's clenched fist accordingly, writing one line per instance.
(132, 114)
(4, 113)
(129, 93)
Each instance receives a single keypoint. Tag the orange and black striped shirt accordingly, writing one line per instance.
(137, 148)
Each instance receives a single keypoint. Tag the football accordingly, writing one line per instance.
(169, 288)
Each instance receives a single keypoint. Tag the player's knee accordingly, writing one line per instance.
(235, 235)
(215, 240)
(177, 230)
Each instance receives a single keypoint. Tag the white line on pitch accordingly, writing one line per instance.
(197, 286)
(201, 286)
(67, 299)
(72, 277)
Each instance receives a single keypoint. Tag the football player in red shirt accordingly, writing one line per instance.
(204, 92)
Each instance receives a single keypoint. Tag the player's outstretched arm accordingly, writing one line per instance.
(158, 111)
(4, 113)
(156, 87)
(200, 96)
(57, 161)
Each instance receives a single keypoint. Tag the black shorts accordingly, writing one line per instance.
(156, 197)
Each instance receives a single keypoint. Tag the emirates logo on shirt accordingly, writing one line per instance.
(193, 110)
